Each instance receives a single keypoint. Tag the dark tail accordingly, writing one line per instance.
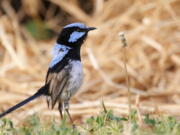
(41, 91)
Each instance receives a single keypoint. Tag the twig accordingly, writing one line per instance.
(124, 42)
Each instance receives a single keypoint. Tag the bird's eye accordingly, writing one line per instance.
(78, 30)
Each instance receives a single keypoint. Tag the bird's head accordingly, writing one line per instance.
(73, 35)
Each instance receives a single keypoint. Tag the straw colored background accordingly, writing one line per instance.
(152, 29)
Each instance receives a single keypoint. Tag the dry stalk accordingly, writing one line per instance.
(124, 43)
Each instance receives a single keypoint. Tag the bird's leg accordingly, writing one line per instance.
(67, 111)
(66, 106)
(60, 110)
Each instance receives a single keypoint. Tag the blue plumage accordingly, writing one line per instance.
(58, 52)
(75, 36)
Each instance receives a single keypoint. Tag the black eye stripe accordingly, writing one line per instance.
(80, 30)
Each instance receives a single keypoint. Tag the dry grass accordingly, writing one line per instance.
(152, 29)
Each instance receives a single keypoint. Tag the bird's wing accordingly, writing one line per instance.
(57, 84)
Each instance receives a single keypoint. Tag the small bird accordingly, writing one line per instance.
(65, 73)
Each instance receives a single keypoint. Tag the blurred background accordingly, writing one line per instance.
(28, 30)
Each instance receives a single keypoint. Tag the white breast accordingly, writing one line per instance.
(76, 76)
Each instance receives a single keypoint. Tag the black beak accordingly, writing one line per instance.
(90, 28)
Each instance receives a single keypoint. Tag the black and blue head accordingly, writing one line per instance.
(73, 35)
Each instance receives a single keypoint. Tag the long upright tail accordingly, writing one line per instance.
(41, 91)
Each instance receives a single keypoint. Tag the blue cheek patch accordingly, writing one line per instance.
(58, 52)
(75, 36)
